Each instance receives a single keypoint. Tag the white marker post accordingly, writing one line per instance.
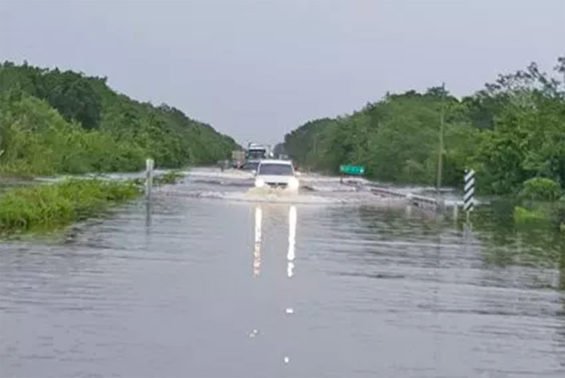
(149, 163)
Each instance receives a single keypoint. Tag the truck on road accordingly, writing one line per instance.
(249, 158)
(257, 151)
(237, 158)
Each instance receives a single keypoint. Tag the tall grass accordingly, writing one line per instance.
(56, 205)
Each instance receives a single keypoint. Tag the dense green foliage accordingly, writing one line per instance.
(65, 122)
(540, 189)
(511, 131)
(541, 199)
(532, 214)
(49, 206)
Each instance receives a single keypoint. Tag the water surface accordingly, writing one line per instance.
(335, 284)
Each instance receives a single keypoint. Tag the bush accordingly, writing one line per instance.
(559, 213)
(50, 206)
(523, 215)
(540, 189)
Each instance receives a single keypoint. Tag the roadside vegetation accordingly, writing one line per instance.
(56, 122)
(63, 122)
(510, 132)
(46, 207)
(51, 206)
(541, 200)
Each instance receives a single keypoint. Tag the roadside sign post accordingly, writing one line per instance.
(351, 170)
(149, 165)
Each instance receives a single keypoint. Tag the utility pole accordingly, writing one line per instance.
(315, 145)
(441, 148)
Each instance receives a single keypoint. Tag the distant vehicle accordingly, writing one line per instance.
(254, 154)
(257, 152)
(250, 166)
(276, 174)
(238, 158)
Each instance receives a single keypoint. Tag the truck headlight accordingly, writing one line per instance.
(293, 183)
(259, 183)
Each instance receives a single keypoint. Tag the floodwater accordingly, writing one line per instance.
(218, 282)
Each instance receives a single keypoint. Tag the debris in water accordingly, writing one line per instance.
(290, 310)
(286, 359)
(253, 333)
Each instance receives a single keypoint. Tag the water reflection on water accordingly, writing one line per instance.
(209, 288)
(290, 255)
(257, 245)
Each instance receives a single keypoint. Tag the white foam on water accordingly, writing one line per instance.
(256, 195)
(328, 184)
(217, 173)
(275, 196)
(331, 188)
(209, 183)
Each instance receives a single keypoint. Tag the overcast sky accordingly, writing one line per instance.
(256, 69)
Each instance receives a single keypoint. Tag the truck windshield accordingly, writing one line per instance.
(256, 154)
(276, 169)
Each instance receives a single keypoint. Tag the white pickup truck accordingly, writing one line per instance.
(276, 174)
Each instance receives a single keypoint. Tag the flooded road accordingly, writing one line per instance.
(217, 283)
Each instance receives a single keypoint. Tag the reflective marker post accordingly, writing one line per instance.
(149, 164)
(469, 192)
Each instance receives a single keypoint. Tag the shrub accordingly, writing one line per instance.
(540, 189)
(53, 205)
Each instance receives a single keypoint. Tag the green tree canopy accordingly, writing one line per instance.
(53, 121)
(511, 131)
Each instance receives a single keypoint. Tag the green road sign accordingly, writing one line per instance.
(352, 169)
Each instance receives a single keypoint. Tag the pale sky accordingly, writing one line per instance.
(256, 69)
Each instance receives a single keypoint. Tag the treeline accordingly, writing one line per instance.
(65, 122)
(509, 132)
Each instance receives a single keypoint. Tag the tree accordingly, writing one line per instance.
(510, 131)
(65, 122)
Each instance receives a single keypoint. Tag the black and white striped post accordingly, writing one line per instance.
(469, 192)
